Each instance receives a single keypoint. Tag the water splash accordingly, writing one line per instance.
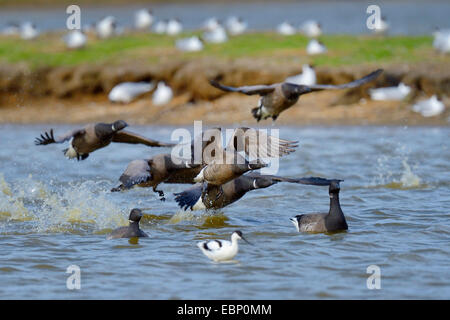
(74, 207)
(389, 178)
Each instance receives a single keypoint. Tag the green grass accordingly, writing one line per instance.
(49, 50)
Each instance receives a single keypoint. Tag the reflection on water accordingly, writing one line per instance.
(55, 213)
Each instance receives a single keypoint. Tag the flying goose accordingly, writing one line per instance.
(95, 136)
(276, 98)
(132, 230)
(160, 169)
(332, 221)
(194, 199)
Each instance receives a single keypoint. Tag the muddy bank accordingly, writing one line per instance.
(79, 93)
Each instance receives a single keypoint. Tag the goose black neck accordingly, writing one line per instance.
(134, 225)
(335, 216)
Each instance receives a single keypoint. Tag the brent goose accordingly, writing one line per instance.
(95, 136)
(278, 97)
(332, 221)
(194, 199)
(151, 172)
(132, 230)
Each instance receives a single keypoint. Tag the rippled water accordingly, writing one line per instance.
(396, 196)
(344, 16)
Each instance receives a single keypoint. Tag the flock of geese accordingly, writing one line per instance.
(222, 175)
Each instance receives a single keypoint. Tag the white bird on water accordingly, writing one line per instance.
(307, 77)
(390, 93)
(315, 47)
(235, 25)
(28, 31)
(222, 250)
(430, 107)
(286, 29)
(311, 28)
(190, 44)
(143, 19)
(75, 39)
(126, 92)
(162, 95)
(174, 27)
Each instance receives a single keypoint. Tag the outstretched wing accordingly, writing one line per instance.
(48, 138)
(137, 172)
(189, 197)
(316, 181)
(248, 90)
(258, 144)
(359, 82)
(124, 136)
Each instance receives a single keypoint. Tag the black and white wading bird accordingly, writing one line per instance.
(276, 98)
(222, 250)
(95, 136)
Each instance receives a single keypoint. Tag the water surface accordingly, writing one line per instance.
(396, 196)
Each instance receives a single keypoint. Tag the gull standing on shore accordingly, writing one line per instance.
(307, 77)
(143, 19)
(397, 93)
(286, 28)
(311, 29)
(162, 95)
(75, 39)
(430, 107)
(126, 92)
(315, 47)
(236, 25)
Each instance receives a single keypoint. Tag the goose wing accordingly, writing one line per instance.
(48, 137)
(258, 144)
(359, 82)
(137, 172)
(248, 90)
(124, 136)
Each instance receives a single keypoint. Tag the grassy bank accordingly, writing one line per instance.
(342, 49)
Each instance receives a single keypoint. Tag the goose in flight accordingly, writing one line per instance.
(276, 98)
(95, 136)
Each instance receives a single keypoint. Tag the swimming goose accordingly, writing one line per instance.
(76, 39)
(332, 221)
(143, 19)
(222, 250)
(429, 107)
(106, 27)
(307, 77)
(132, 230)
(236, 25)
(162, 95)
(218, 35)
(315, 47)
(190, 44)
(397, 93)
(311, 28)
(160, 169)
(194, 199)
(126, 92)
(174, 27)
(28, 31)
(285, 28)
(276, 98)
(95, 136)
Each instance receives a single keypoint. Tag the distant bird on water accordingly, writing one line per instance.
(276, 98)
(95, 136)
(132, 230)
